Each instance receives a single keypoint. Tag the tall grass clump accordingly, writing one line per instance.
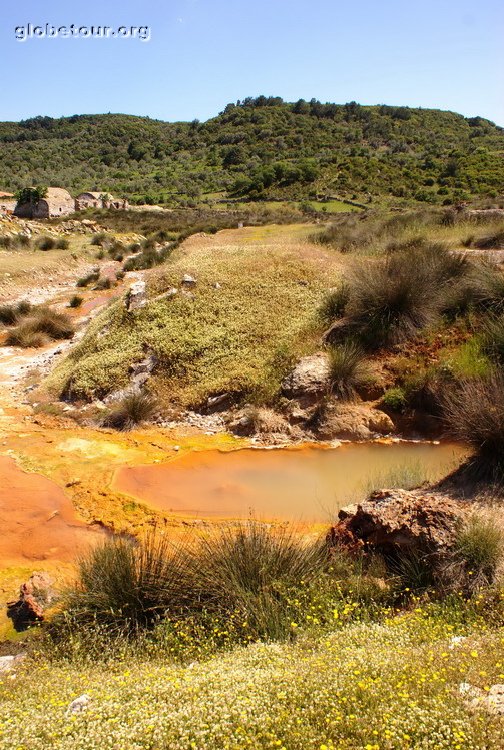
(130, 411)
(347, 370)
(245, 581)
(477, 555)
(125, 585)
(334, 303)
(492, 343)
(10, 314)
(393, 298)
(42, 325)
(474, 414)
(256, 571)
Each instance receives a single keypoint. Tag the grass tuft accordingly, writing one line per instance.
(347, 370)
(130, 411)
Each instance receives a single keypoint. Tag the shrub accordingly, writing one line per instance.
(249, 571)
(45, 243)
(131, 410)
(62, 244)
(480, 547)
(23, 240)
(75, 301)
(394, 399)
(474, 414)
(348, 370)
(103, 283)
(491, 242)
(488, 285)
(5, 242)
(90, 278)
(253, 569)
(98, 239)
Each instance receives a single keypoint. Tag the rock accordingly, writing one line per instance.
(491, 700)
(140, 372)
(353, 422)
(79, 704)
(309, 378)
(136, 297)
(392, 520)
(188, 281)
(219, 402)
(216, 285)
(8, 663)
(34, 596)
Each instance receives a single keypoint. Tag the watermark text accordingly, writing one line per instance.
(74, 31)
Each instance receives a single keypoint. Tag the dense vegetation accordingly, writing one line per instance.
(262, 148)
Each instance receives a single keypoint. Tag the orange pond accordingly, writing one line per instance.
(301, 484)
(37, 520)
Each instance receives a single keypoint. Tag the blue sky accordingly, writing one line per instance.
(447, 54)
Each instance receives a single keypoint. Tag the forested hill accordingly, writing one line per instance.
(262, 148)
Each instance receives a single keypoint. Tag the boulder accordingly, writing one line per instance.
(309, 378)
(353, 422)
(491, 700)
(140, 372)
(188, 281)
(136, 296)
(34, 596)
(392, 520)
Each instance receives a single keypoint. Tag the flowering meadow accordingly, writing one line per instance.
(355, 685)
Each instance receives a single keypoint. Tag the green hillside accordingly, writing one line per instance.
(262, 148)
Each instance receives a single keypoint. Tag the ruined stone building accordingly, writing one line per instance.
(56, 202)
(92, 199)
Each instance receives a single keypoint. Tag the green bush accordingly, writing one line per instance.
(89, 279)
(394, 399)
(45, 243)
(347, 370)
(393, 298)
(62, 244)
(26, 335)
(476, 556)
(75, 301)
(103, 283)
(492, 343)
(98, 239)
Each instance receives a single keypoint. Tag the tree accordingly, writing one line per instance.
(30, 195)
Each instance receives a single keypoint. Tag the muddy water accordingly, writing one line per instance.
(302, 484)
(37, 520)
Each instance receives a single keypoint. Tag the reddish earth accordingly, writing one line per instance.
(38, 521)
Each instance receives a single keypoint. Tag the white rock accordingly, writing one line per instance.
(79, 704)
